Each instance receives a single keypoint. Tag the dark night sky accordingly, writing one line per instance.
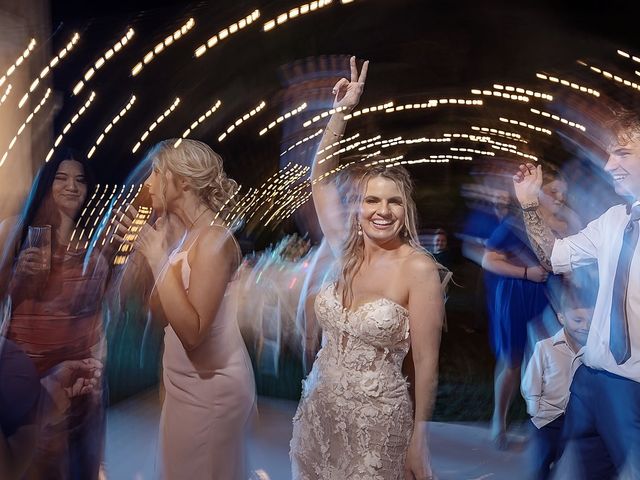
(418, 49)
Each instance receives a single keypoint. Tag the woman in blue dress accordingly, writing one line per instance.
(520, 293)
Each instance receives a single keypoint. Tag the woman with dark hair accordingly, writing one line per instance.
(56, 290)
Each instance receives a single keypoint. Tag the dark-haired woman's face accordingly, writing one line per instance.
(69, 189)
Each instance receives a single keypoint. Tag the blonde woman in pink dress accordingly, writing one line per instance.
(356, 419)
(210, 391)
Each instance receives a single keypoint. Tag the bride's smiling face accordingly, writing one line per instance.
(382, 211)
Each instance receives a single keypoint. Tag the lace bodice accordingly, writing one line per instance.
(355, 417)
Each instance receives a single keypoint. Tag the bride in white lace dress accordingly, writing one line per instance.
(356, 419)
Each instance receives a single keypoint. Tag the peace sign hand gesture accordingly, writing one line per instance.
(347, 93)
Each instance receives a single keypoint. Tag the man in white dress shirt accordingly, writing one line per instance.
(603, 415)
(548, 375)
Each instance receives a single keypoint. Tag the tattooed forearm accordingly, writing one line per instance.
(540, 236)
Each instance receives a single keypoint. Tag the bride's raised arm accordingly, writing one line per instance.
(325, 193)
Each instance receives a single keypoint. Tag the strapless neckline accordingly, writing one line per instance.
(401, 308)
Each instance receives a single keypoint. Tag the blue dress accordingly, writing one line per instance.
(516, 301)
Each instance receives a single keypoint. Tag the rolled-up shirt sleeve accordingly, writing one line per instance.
(577, 250)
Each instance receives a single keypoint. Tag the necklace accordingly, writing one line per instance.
(198, 217)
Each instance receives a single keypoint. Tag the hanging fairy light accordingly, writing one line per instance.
(523, 91)
(155, 123)
(295, 12)
(46, 70)
(300, 142)
(100, 62)
(558, 119)
(19, 61)
(67, 127)
(227, 32)
(160, 47)
(111, 124)
(526, 125)
(241, 120)
(567, 83)
(6, 94)
(282, 118)
(24, 125)
(197, 122)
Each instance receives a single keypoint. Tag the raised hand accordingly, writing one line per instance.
(527, 183)
(152, 243)
(31, 261)
(348, 92)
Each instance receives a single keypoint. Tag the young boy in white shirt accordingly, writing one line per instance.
(548, 375)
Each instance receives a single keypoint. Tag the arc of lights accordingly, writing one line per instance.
(451, 157)
(349, 147)
(364, 111)
(111, 124)
(501, 133)
(382, 160)
(155, 123)
(99, 63)
(155, 51)
(294, 202)
(526, 125)
(622, 53)
(524, 91)
(432, 103)
(496, 93)
(338, 142)
(472, 150)
(287, 213)
(226, 32)
(282, 118)
(398, 161)
(567, 83)
(24, 124)
(11, 70)
(300, 142)
(558, 119)
(515, 152)
(241, 120)
(290, 198)
(67, 127)
(52, 63)
(317, 118)
(6, 94)
(611, 76)
(295, 12)
(197, 122)
(392, 142)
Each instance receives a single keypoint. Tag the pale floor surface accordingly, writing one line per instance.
(459, 451)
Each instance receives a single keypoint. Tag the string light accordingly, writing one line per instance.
(111, 124)
(155, 123)
(399, 141)
(366, 110)
(524, 91)
(67, 127)
(24, 124)
(11, 70)
(6, 94)
(567, 83)
(99, 63)
(620, 52)
(282, 118)
(495, 93)
(611, 76)
(197, 122)
(473, 138)
(300, 142)
(383, 160)
(432, 103)
(226, 32)
(526, 125)
(317, 118)
(558, 119)
(471, 150)
(516, 152)
(501, 133)
(338, 142)
(450, 157)
(159, 48)
(241, 120)
(295, 12)
(45, 71)
(349, 148)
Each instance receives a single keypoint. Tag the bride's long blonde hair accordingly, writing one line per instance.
(353, 247)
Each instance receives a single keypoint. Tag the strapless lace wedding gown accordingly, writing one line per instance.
(355, 417)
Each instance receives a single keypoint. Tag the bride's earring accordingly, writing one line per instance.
(359, 230)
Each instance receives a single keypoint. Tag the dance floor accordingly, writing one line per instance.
(460, 451)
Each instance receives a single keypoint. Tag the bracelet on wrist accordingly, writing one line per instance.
(334, 133)
(530, 206)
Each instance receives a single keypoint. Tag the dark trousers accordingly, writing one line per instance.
(548, 445)
(603, 426)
